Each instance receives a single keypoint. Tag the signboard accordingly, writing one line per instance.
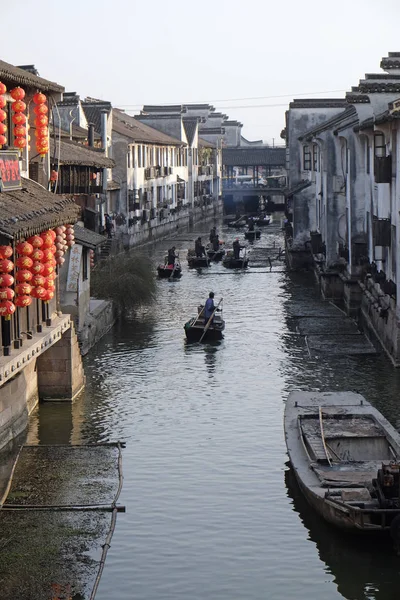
(74, 267)
(10, 177)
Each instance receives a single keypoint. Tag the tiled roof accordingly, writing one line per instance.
(236, 157)
(77, 132)
(88, 238)
(18, 76)
(32, 209)
(190, 125)
(391, 62)
(205, 143)
(318, 103)
(113, 186)
(93, 109)
(176, 108)
(137, 131)
(211, 130)
(72, 153)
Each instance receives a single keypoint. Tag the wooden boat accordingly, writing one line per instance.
(169, 271)
(262, 221)
(215, 255)
(252, 235)
(346, 458)
(230, 262)
(197, 262)
(195, 328)
(241, 222)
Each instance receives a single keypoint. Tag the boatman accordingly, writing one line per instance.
(236, 248)
(171, 256)
(209, 307)
(199, 248)
(213, 234)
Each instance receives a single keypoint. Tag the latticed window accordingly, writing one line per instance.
(306, 158)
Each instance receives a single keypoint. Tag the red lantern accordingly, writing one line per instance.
(48, 268)
(3, 140)
(39, 292)
(53, 275)
(42, 148)
(41, 121)
(24, 248)
(38, 280)
(3, 88)
(7, 308)
(6, 293)
(24, 275)
(23, 301)
(42, 135)
(49, 284)
(37, 254)
(23, 289)
(3, 115)
(6, 280)
(6, 251)
(3, 102)
(39, 98)
(3, 128)
(60, 260)
(47, 239)
(19, 130)
(40, 109)
(24, 262)
(18, 106)
(49, 295)
(17, 93)
(20, 142)
(36, 241)
(19, 119)
(6, 266)
(48, 253)
(37, 268)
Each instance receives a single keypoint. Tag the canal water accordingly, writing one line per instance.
(213, 511)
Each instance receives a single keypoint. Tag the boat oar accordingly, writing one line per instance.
(210, 321)
(198, 316)
(175, 265)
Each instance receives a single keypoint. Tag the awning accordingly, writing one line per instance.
(297, 188)
(88, 238)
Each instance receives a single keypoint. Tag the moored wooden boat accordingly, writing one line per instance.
(262, 221)
(346, 458)
(169, 271)
(230, 262)
(255, 234)
(215, 255)
(197, 262)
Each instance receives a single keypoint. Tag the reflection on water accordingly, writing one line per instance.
(208, 513)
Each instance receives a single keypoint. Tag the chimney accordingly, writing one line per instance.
(104, 131)
(91, 135)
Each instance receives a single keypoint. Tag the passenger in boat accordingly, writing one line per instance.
(199, 248)
(209, 307)
(236, 248)
(251, 224)
(213, 234)
(215, 243)
(171, 256)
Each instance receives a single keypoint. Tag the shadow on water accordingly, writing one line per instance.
(363, 568)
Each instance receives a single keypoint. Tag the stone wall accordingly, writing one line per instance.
(98, 322)
(60, 373)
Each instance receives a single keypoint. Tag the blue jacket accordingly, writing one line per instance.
(209, 308)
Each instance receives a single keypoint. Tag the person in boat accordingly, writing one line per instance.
(251, 224)
(213, 234)
(215, 243)
(209, 308)
(236, 248)
(171, 257)
(199, 248)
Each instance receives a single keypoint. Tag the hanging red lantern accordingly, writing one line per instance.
(23, 301)
(42, 149)
(38, 280)
(18, 106)
(49, 284)
(42, 135)
(37, 254)
(24, 248)
(6, 251)
(41, 121)
(39, 98)
(48, 253)
(6, 280)
(24, 262)
(19, 118)
(47, 240)
(53, 275)
(19, 130)
(17, 93)
(48, 268)
(49, 295)
(3, 102)
(40, 109)
(6, 266)
(24, 275)
(3, 88)
(36, 241)
(7, 308)
(37, 268)
(23, 289)
(3, 140)
(20, 142)
(3, 128)
(6, 293)
(3, 115)
(38, 292)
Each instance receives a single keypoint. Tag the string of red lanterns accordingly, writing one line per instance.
(41, 122)
(24, 263)
(3, 115)
(7, 307)
(19, 118)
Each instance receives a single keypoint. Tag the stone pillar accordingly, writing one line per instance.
(60, 370)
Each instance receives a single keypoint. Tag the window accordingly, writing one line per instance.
(315, 157)
(306, 158)
(85, 260)
(368, 158)
(139, 156)
(129, 157)
(379, 145)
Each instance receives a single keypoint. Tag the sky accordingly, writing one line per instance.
(247, 58)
